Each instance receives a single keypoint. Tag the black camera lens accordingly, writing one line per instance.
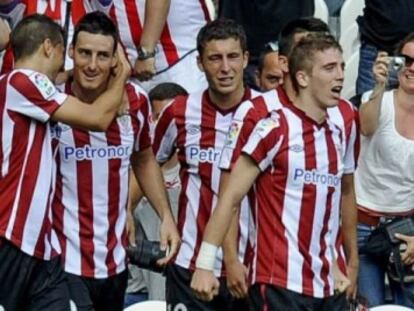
(145, 255)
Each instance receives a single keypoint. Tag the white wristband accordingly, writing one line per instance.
(206, 256)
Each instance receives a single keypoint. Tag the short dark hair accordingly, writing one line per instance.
(303, 54)
(221, 29)
(262, 56)
(167, 90)
(31, 32)
(300, 25)
(96, 23)
(407, 39)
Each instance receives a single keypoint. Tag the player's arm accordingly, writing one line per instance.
(349, 231)
(98, 115)
(236, 272)
(156, 12)
(204, 284)
(369, 111)
(149, 176)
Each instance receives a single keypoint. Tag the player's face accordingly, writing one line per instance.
(406, 75)
(327, 77)
(157, 107)
(223, 62)
(93, 57)
(271, 75)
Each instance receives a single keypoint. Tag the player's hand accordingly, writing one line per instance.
(144, 69)
(204, 284)
(169, 238)
(122, 69)
(236, 278)
(352, 271)
(380, 68)
(341, 282)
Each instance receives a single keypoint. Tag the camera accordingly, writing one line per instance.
(396, 63)
(145, 255)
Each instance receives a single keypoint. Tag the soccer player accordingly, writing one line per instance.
(30, 272)
(196, 126)
(269, 74)
(89, 210)
(344, 115)
(295, 159)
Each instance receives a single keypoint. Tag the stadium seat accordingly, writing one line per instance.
(390, 308)
(150, 305)
(321, 10)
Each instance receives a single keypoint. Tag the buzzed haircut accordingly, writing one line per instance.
(303, 54)
(96, 23)
(300, 25)
(221, 29)
(31, 32)
(167, 90)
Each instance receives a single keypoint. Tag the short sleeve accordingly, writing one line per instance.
(33, 95)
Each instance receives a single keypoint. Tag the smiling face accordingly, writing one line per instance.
(406, 75)
(326, 79)
(93, 56)
(223, 62)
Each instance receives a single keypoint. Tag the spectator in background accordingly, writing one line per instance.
(269, 73)
(160, 39)
(384, 180)
(262, 21)
(143, 214)
(383, 24)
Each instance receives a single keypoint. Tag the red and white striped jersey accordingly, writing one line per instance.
(197, 128)
(27, 176)
(89, 208)
(345, 115)
(184, 20)
(297, 200)
(56, 9)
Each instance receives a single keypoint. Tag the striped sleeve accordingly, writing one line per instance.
(353, 144)
(265, 141)
(145, 132)
(165, 134)
(36, 96)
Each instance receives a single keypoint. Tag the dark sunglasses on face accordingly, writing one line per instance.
(408, 60)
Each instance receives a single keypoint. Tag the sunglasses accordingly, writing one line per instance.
(408, 60)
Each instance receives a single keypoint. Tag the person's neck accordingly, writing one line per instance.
(227, 101)
(307, 104)
(288, 86)
(405, 101)
(87, 96)
(34, 64)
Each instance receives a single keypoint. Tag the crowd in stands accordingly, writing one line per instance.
(216, 130)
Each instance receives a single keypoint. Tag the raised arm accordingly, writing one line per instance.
(370, 111)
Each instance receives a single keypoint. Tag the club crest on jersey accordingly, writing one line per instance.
(233, 134)
(43, 84)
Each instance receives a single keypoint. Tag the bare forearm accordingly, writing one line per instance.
(370, 111)
(149, 176)
(156, 12)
